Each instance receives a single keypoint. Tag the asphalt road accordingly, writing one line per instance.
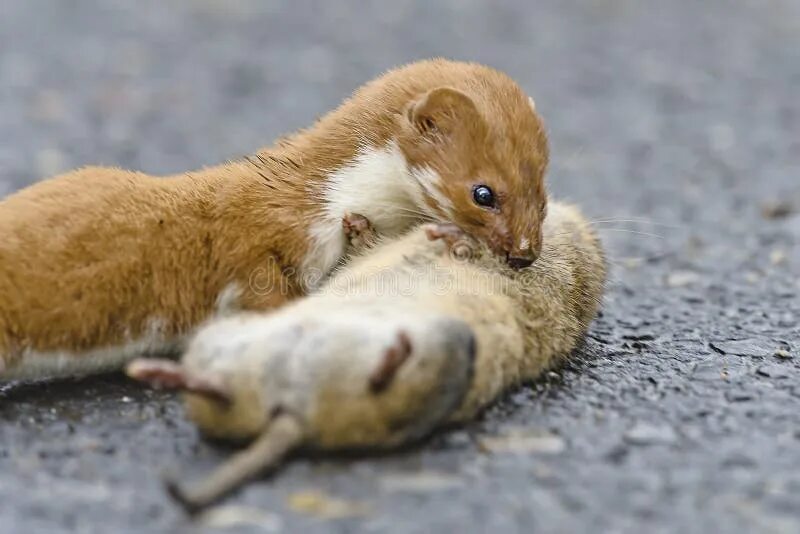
(675, 124)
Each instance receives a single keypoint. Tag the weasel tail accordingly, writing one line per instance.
(421, 331)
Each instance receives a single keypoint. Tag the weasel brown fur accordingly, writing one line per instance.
(103, 264)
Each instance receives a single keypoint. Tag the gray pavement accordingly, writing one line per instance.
(676, 125)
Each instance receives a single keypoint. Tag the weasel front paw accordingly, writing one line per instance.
(358, 230)
(458, 243)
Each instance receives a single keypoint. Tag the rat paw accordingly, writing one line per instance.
(458, 243)
(166, 374)
(358, 230)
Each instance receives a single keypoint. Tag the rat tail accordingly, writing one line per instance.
(283, 435)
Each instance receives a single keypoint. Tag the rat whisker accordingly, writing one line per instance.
(621, 230)
(637, 221)
(635, 232)
(409, 212)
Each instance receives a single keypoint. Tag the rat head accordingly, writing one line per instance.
(479, 158)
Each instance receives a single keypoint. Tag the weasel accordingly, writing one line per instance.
(403, 340)
(102, 264)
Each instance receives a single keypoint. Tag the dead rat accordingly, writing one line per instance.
(419, 332)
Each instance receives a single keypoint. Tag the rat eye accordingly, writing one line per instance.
(483, 196)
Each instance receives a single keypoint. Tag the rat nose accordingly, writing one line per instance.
(516, 262)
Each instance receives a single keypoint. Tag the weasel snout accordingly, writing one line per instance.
(524, 253)
(522, 256)
(519, 252)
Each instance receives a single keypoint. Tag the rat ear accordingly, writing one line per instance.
(440, 111)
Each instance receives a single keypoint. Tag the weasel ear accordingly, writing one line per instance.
(441, 111)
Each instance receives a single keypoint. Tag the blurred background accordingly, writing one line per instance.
(675, 125)
(649, 104)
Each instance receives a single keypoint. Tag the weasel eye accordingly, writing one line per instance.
(483, 196)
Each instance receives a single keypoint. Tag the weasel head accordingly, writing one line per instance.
(479, 157)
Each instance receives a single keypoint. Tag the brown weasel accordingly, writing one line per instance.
(101, 264)
(399, 342)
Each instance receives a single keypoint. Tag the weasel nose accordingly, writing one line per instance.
(516, 262)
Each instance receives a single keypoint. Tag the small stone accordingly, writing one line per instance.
(631, 263)
(735, 369)
(744, 347)
(773, 370)
(523, 441)
(777, 257)
(324, 506)
(783, 354)
(617, 453)
(739, 396)
(457, 439)
(739, 460)
(682, 278)
(708, 370)
(421, 482)
(225, 517)
(639, 337)
(650, 434)
(777, 209)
